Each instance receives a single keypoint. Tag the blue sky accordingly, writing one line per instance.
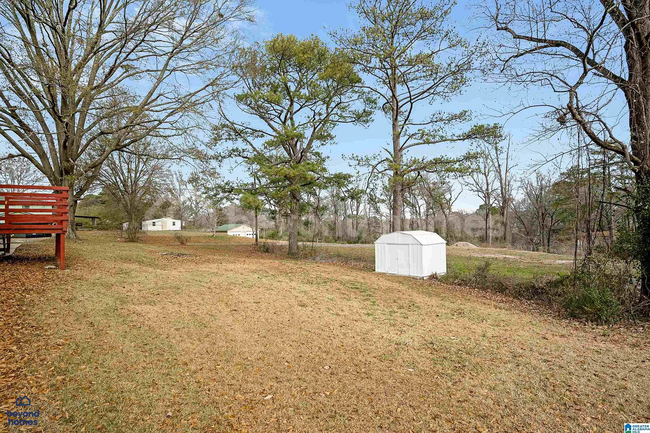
(306, 17)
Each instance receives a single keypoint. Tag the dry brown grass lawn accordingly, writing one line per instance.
(228, 339)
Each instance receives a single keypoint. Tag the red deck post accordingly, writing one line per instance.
(36, 209)
(60, 250)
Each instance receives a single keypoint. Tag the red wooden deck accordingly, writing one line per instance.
(30, 209)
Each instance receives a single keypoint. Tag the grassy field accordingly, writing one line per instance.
(215, 336)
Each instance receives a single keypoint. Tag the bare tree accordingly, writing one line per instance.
(483, 182)
(595, 57)
(431, 191)
(538, 212)
(179, 191)
(338, 203)
(210, 192)
(19, 171)
(135, 180)
(448, 198)
(525, 223)
(501, 159)
(69, 68)
(378, 196)
(354, 198)
(318, 208)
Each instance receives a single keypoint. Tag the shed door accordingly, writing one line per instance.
(402, 257)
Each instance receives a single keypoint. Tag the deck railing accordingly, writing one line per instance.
(30, 209)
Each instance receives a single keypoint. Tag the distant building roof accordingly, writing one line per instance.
(411, 237)
(226, 227)
(160, 219)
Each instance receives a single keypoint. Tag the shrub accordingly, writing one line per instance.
(603, 289)
(481, 275)
(181, 238)
(266, 247)
(627, 243)
(594, 303)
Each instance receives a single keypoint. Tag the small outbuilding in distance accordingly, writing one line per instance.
(241, 230)
(412, 253)
(161, 224)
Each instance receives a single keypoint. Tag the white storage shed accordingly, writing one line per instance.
(414, 253)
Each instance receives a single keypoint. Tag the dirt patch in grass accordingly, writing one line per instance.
(464, 245)
(175, 255)
(230, 339)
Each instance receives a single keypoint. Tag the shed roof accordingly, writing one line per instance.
(157, 219)
(226, 227)
(411, 237)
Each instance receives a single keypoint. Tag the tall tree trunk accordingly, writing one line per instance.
(390, 216)
(576, 222)
(637, 95)
(447, 231)
(506, 225)
(426, 218)
(336, 225)
(589, 230)
(489, 226)
(549, 234)
(257, 230)
(398, 182)
(294, 223)
(319, 227)
(72, 211)
(72, 203)
(277, 221)
(485, 237)
(396, 219)
(504, 213)
(368, 223)
(133, 229)
(608, 198)
(642, 212)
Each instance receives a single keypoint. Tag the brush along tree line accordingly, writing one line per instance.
(82, 81)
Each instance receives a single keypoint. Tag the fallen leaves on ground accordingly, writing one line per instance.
(23, 279)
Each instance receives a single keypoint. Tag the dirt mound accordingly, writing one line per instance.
(464, 245)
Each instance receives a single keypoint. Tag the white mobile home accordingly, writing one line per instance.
(414, 253)
(161, 224)
(241, 230)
